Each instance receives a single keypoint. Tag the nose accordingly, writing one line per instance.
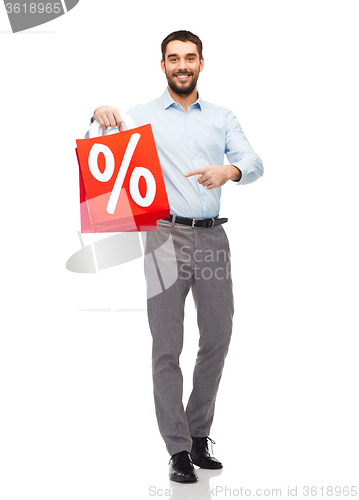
(182, 66)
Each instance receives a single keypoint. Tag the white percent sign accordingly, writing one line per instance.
(137, 172)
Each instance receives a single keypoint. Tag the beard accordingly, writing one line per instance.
(183, 89)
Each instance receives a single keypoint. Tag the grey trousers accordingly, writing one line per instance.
(179, 258)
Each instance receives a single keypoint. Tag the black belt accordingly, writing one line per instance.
(214, 221)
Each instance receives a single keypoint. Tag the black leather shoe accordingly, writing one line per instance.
(181, 468)
(200, 454)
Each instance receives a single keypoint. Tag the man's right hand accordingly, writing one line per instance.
(107, 116)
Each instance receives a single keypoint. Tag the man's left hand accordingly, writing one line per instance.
(216, 176)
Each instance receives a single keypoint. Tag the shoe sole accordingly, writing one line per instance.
(179, 480)
(204, 467)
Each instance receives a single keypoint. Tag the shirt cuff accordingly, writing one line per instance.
(241, 167)
(251, 168)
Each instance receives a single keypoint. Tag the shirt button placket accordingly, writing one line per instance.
(192, 150)
(190, 139)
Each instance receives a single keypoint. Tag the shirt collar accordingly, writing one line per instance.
(168, 101)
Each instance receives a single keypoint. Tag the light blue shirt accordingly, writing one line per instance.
(198, 138)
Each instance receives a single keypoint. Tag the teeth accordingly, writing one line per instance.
(182, 76)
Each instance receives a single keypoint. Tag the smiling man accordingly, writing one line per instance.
(182, 81)
(192, 137)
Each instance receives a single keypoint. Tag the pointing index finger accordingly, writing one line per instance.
(195, 172)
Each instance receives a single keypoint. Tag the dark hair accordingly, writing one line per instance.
(183, 36)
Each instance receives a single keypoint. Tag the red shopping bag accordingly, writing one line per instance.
(121, 182)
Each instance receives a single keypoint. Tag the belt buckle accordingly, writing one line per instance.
(193, 222)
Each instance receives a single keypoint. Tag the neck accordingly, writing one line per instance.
(184, 99)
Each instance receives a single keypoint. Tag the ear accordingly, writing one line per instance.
(163, 66)
(201, 64)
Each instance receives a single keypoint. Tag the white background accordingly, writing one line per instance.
(77, 416)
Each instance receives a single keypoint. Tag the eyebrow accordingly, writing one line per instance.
(176, 55)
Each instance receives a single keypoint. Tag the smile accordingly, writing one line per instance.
(183, 77)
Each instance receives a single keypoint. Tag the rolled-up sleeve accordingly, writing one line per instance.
(240, 153)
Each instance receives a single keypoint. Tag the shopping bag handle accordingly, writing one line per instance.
(96, 130)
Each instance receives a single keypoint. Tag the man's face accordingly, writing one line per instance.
(182, 66)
